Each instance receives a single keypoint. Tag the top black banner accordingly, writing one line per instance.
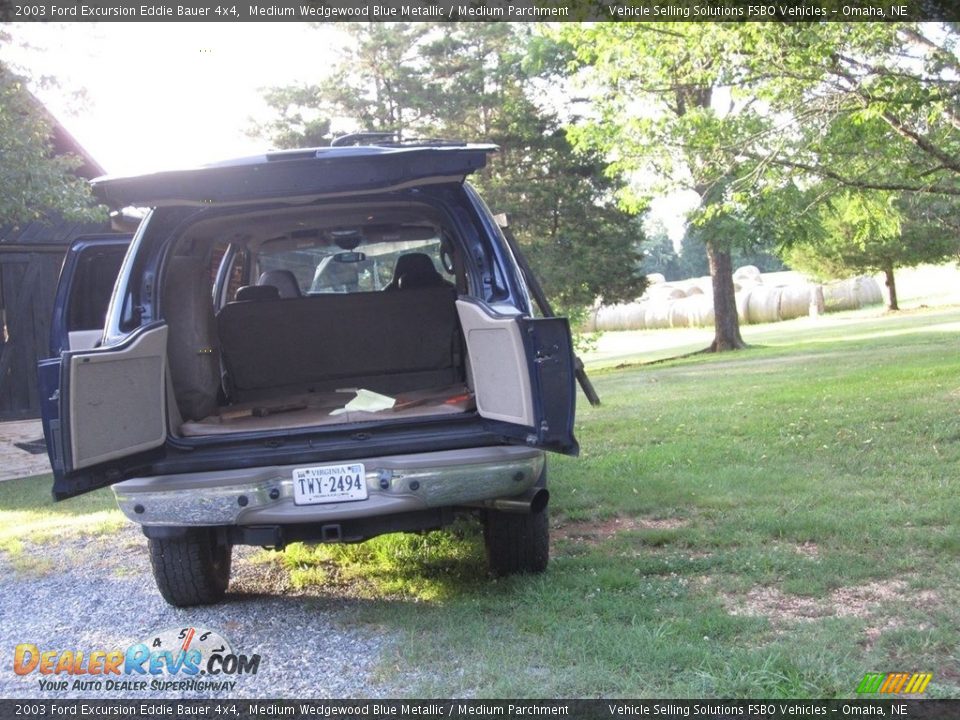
(481, 10)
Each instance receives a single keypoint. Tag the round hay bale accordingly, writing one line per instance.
(655, 279)
(840, 295)
(605, 317)
(677, 315)
(763, 305)
(743, 299)
(868, 290)
(795, 301)
(694, 291)
(747, 274)
(664, 292)
(816, 301)
(700, 310)
(633, 317)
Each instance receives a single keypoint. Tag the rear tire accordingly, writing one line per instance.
(517, 543)
(191, 570)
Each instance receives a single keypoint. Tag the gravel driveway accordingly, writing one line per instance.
(98, 594)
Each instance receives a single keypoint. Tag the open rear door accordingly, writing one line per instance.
(112, 411)
(522, 372)
(86, 388)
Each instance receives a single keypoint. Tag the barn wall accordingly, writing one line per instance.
(30, 260)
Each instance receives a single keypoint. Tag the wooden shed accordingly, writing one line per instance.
(30, 258)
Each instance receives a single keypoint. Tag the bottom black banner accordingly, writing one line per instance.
(455, 709)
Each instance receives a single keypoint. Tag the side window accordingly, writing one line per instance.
(227, 280)
(91, 288)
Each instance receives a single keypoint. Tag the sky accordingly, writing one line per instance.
(166, 95)
(161, 96)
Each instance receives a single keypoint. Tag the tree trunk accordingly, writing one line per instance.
(891, 288)
(726, 322)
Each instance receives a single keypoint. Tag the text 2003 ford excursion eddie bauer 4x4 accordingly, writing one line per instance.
(317, 345)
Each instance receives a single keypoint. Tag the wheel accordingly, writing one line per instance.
(191, 570)
(517, 543)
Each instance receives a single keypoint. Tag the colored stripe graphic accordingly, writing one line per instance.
(870, 683)
(894, 683)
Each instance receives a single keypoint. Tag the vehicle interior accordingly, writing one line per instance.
(278, 319)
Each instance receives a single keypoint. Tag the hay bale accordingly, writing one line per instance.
(694, 291)
(868, 291)
(795, 300)
(612, 317)
(666, 291)
(743, 299)
(816, 301)
(747, 274)
(842, 295)
(763, 305)
(633, 316)
(700, 310)
(655, 279)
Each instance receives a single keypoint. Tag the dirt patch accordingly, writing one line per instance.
(808, 549)
(592, 532)
(258, 576)
(858, 602)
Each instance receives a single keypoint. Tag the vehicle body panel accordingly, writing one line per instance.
(87, 455)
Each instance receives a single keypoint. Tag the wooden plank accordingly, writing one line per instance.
(5, 394)
(13, 358)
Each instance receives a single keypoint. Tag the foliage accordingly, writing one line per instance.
(869, 106)
(875, 231)
(477, 82)
(33, 181)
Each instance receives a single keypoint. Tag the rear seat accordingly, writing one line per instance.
(387, 342)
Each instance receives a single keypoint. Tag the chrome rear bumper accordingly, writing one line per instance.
(395, 484)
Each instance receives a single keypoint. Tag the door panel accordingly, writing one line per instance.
(549, 351)
(87, 278)
(498, 365)
(522, 373)
(114, 402)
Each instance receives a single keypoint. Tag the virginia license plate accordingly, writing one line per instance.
(329, 484)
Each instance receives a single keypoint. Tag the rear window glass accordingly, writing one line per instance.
(356, 261)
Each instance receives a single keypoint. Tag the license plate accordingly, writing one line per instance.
(329, 484)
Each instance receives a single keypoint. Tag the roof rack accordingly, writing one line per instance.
(390, 138)
(363, 138)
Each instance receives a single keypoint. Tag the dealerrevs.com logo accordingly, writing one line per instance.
(178, 659)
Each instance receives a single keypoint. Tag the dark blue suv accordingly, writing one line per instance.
(314, 345)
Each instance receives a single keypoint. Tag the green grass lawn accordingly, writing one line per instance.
(772, 523)
(28, 513)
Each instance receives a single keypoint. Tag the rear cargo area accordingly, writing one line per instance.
(298, 362)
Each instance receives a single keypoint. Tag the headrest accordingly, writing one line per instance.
(416, 270)
(258, 292)
(284, 280)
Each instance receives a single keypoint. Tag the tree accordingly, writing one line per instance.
(658, 114)
(659, 254)
(474, 82)
(872, 106)
(34, 181)
(766, 121)
(874, 231)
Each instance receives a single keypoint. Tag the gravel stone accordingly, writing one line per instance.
(97, 593)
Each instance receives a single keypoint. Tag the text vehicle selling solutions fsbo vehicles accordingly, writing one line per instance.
(313, 345)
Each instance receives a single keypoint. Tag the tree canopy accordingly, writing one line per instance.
(767, 122)
(480, 82)
(34, 181)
